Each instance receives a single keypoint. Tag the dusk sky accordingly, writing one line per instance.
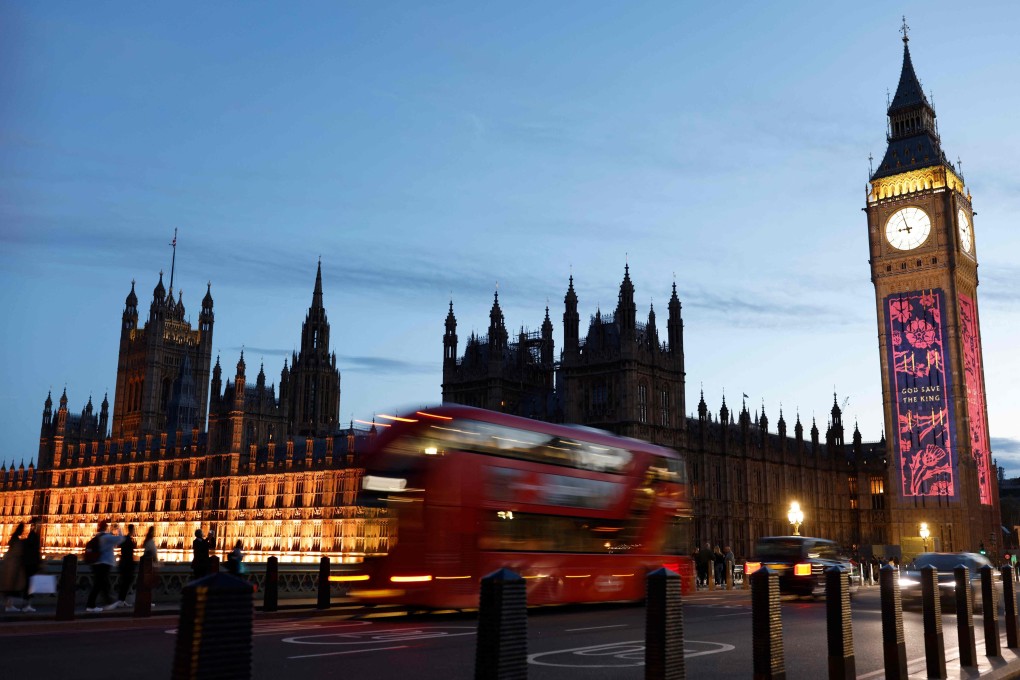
(429, 151)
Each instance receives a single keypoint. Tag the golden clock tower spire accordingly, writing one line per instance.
(924, 267)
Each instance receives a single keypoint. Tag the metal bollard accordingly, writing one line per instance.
(991, 611)
(271, 587)
(711, 575)
(323, 601)
(766, 626)
(214, 564)
(840, 633)
(66, 588)
(143, 587)
(894, 649)
(931, 606)
(664, 626)
(214, 632)
(1009, 595)
(502, 647)
(964, 620)
(746, 578)
(729, 574)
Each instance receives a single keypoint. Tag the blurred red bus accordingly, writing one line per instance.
(581, 514)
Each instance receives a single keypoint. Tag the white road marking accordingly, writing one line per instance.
(574, 630)
(349, 651)
(628, 654)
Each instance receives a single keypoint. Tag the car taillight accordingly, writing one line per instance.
(751, 567)
(803, 569)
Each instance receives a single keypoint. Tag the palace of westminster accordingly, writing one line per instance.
(273, 467)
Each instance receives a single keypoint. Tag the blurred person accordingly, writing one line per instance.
(730, 560)
(101, 568)
(719, 563)
(200, 555)
(703, 561)
(126, 568)
(149, 550)
(12, 569)
(234, 565)
(31, 559)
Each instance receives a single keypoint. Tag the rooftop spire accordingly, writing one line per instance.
(317, 293)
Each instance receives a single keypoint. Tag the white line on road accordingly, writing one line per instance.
(349, 651)
(574, 630)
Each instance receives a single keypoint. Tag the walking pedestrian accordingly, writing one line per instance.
(12, 569)
(719, 565)
(703, 561)
(730, 560)
(106, 542)
(149, 550)
(31, 559)
(126, 568)
(199, 555)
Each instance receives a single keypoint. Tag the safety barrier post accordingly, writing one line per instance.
(964, 621)
(766, 626)
(502, 647)
(729, 574)
(842, 663)
(66, 588)
(143, 588)
(323, 601)
(1009, 595)
(711, 575)
(894, 649)
(271, 587)
(747, 578)
(664, 626)
(214, 632)
(931, 606)
(991, 611)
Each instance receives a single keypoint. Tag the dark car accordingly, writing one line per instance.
(801, 562)
(944, 563)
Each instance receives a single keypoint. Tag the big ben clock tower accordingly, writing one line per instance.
(924, 267)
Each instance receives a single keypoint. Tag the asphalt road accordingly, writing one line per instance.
(604, 642)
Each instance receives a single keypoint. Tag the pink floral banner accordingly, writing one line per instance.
(922, 404)
(973, 375)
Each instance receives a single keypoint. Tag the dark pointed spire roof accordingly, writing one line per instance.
(49, 400)
(317, 293)
(106, 401)
(912, 134)
(451, 320)
(159, 292)
(240, 363)
(626, 286)
(571, 296)
(63, 399)
(207, 301)
(132, 299)
(909, 92)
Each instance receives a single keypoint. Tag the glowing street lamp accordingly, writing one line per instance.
(924, 535)
(795, 516)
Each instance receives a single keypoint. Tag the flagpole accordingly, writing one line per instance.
(173, 260)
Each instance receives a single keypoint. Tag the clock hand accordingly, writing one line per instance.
(906, 227)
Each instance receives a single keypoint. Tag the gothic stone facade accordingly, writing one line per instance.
(278, 474)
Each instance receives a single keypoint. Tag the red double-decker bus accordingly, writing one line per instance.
(581, 514)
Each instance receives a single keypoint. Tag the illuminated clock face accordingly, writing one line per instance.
(966, 235)
(908, 228)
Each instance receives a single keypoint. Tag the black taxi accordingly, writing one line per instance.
(801, 562)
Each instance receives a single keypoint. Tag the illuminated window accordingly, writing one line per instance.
(877, 493)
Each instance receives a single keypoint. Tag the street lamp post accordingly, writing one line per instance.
(924, 535)
(795, 516)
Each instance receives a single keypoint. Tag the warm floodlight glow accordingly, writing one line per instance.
(924, 533)
(796, 517)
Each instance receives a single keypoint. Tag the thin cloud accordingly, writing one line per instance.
(382, 365)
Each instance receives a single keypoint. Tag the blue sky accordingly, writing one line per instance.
(432, 151)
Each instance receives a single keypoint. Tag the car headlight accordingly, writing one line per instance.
(908, 582)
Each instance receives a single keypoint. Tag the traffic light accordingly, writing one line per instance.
(981, 548)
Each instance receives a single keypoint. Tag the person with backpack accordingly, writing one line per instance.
(100, 550)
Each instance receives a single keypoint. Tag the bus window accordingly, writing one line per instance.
(527, 532)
